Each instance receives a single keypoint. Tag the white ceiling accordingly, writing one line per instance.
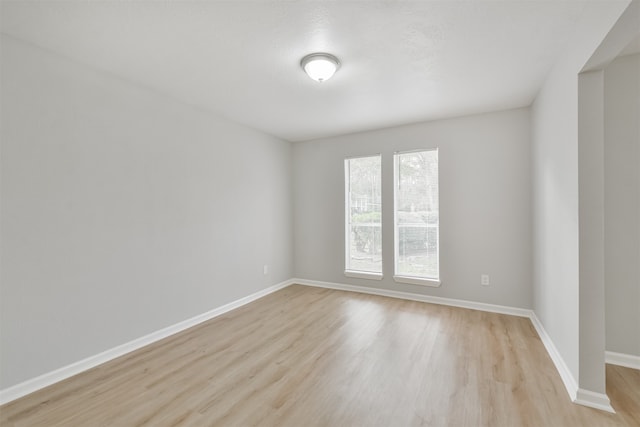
(402, 62)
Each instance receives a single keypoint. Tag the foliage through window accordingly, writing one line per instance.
(416, 215)
(363, 188)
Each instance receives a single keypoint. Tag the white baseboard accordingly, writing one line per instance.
(565, 374)
(492, 308)
(583, 397)
(621, 359)
(579, 396)
(35, 384)
(593, 400)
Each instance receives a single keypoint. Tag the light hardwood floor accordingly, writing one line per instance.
(315, 357)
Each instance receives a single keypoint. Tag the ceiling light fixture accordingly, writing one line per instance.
(320, 66)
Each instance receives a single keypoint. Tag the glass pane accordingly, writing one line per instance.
(416, 214)
(364, 216)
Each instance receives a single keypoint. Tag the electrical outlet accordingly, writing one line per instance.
(484, 279)
(265, 269)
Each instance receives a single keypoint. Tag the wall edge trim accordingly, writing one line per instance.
(621, 359)
(565, 374)
(593, 400)
(49, 378)
(492, 308)
(577, 395)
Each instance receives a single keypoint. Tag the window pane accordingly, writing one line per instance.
(363, 216)
(416, 214)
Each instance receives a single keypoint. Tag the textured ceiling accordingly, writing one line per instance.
(402, 62)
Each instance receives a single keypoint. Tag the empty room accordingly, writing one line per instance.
(319, 213)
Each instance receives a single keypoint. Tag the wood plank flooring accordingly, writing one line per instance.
(316, 357)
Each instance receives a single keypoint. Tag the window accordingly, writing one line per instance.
(416, 218)
(363, 222)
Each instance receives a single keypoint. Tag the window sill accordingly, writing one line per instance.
(363, 275)
(434, 283)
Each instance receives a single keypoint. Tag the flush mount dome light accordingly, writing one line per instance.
(320, 66)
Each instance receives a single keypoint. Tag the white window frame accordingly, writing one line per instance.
(401, 278)
(347, 224)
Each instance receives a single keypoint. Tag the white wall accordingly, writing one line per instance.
(123, 212)
(622, 204)
(555, 214)
(556, 241)
(591, 231)
(485, 205)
